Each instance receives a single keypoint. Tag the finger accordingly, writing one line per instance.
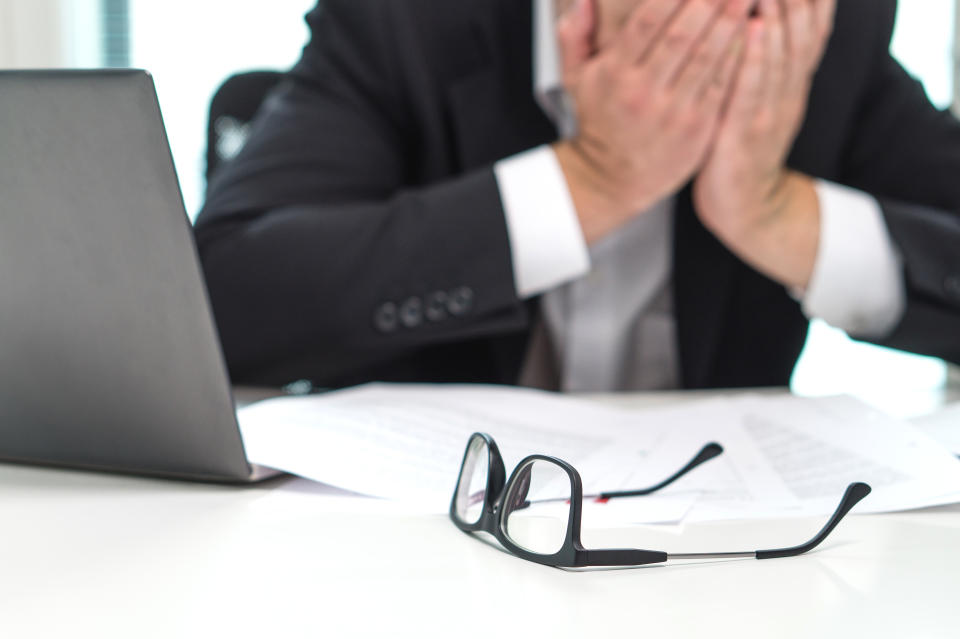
(677, 42)
(703, 66)
(575, 33)
(779, 64)
(642, 29)
(717, 92)
(748, 91)
(800, 36)
(824, 14)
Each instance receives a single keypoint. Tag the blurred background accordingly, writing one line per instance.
(192, 46)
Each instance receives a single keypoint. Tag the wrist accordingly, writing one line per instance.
(779, 233)
(740, 212)
(599, 210)
(788, 199)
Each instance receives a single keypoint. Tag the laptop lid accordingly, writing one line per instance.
(109, 357)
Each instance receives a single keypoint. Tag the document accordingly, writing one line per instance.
(944, 427)
(792, 457)
(784, 456)
(406, 442)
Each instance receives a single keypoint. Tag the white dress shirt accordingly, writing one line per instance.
(608, 309)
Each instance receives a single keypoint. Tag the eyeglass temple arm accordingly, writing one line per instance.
(707, 453)
(854, 494)
(628, 557)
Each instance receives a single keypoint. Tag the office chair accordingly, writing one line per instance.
(233, 107)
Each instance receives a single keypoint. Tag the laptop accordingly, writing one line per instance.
(109, 355)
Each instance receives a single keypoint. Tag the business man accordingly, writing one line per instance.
(641, 194)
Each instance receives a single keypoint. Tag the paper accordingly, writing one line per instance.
(784, 456)
(407, 442)
(794, 457)
(944, 427)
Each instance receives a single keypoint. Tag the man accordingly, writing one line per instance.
(417, 204)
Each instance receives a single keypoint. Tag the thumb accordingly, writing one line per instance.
(824, 13)
(575, 33)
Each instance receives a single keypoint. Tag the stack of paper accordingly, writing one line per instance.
(943, 426)
(407, 442)
(784, 456)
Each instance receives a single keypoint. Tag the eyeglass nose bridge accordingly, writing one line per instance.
(521, 490)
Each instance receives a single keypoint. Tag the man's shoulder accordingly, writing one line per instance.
(440, 39)
(432, 13)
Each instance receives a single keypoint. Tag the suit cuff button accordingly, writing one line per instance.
(460, 301)
(411, 312)
(437, 307)
(387, 318)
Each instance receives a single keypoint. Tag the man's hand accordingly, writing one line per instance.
(648, 105)
(744, 194)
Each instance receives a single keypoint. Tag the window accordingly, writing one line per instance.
(115, 39)
(924, 44)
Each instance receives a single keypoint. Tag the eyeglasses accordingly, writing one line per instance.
(536, 514)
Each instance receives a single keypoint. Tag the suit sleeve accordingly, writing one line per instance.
(906, 153)
(324, 252)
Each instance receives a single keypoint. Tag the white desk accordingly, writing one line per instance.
(87, 555)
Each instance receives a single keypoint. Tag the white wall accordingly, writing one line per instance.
(30, 34)
(49, 33)
(82, 32)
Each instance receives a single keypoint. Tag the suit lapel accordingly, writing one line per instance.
(702, 277)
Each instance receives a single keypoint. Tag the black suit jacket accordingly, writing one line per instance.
(367, 188)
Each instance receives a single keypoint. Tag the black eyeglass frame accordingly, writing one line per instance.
(573, 554)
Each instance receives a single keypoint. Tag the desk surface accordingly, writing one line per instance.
(101, 556)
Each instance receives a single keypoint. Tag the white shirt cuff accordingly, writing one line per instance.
(546, 241)
(858, 283)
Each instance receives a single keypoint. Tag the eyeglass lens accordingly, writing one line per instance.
(536, 509)
(472, 486)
